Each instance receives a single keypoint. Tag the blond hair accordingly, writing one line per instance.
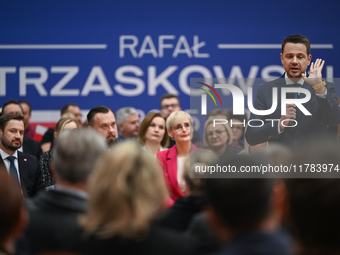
(125, 191)
(177, 116)
(225, 125)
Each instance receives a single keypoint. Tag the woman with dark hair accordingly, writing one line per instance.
(152, 134)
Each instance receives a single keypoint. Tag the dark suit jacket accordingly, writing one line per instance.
(53, 226)
(179, 216)
(324, 112)
(30, 174)
(53, 216)
(32, 147)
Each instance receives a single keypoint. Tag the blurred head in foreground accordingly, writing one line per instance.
(130, 192)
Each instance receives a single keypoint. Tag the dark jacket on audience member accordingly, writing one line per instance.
(54, 226)
(32, 147)
(179, 216)
(52, 218)
(30, 174)
(256, 243)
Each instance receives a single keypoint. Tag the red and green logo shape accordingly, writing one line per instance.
(213, 90)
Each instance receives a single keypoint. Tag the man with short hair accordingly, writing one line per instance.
(128, 123)
(294, 127)
(72, 108)
(48, 138)
(53, 214)
(169, 103)
(102, 119)
(28, 145)
(27, 111)
(23, 167)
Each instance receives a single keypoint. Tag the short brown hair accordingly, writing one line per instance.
(143, 128)
(4, 119)
(94, 111)
(168, 96)
(297, 38)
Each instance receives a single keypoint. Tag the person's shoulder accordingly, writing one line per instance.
(163, 153)
(27, 157)
(274, 82)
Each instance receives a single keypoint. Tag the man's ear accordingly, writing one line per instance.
(309, 58)
(120, 126)
(281, 56)
(0, 133)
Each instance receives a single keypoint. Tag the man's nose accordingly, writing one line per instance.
(295, 60)
(17, 135)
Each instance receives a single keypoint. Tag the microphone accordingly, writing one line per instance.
(291, 95)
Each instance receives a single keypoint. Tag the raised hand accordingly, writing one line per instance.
(315, 75)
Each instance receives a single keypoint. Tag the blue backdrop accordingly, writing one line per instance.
(129, 53)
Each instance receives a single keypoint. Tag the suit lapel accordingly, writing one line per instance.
(172, 168)
(23, 165)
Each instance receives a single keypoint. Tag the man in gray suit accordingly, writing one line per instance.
(53, 213)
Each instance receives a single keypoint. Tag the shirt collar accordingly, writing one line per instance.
(289, 81)
(5, 155)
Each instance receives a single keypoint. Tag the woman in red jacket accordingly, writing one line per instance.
(180, 128)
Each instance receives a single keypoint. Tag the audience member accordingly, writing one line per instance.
(241, 212)
(13, 214)
(179, 216)
(237, 124)
(314, 204)
(152, 134)
(218, 137)
(27, 111)
(123, 207)
(170, 103)
(128, 123)
(45, 159)
(218, 113)
(28, 145)
(179, 126)
(23, 167)
(102, 119)
(53, 214)
(48, 138)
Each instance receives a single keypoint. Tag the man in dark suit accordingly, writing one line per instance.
(53, 214)
(322, 105)
(29, 145)
(23, 167)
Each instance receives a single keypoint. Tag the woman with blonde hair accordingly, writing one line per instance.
(217, 137)
(125, 192)
(180, 129)
(152, 134)
(45, 158)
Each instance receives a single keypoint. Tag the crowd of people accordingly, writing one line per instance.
(115, 185)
